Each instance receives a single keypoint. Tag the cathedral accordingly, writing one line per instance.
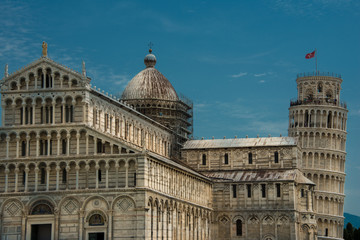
(79, 163)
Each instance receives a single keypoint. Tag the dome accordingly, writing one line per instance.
(149, 84)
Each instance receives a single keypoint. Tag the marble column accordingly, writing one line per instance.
(36, 178)
(47, 178)
(67, 176)
(48, 144)
(126, 175)
(87, 168)
(77, 168)
(37, 145)
(97, 167)
(58, 138)
(117, 174)
(53, 113)
(16, 178)
(68, 145)
(17, 146)
(87, 144)
(27, 170)
(27, 154)
(107, 175)
(33, 113)
(77, 143)
(6, 178)
(57, 176)
(7, 146)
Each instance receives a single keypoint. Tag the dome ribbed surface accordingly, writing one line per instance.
(149, 84)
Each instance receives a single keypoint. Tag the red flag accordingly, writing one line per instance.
(310, 55)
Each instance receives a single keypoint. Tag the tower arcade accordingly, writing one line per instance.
(318, 118)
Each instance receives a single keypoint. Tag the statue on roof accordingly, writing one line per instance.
(6, 70)
(44, 49)
(83, 69)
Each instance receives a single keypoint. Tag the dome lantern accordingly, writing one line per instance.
(150, 59)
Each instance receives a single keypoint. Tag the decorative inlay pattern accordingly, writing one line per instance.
(124, 204)
(70, 207)
(12, 208)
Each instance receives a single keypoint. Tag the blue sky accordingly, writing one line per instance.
(237, 60)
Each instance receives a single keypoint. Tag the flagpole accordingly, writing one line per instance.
(315, 61)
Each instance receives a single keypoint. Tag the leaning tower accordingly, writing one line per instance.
(318, 118)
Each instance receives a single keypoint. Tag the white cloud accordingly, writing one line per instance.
(314, 8)
(261, 81)
(119, 79)
(239, 75)
(259, 74)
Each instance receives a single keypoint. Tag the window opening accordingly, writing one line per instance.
(278, 190)
(320, 88)
(226, 158)
(263, 190)
(248, 186)
(302, 193)
(21, 115)
(250, 158)
(203, 159)
(238, 227)
(276, 157)
(42, 176)
(23, 148)
(24, 177)
(64, 175)
(234, 191)
(63, 146)
(99, 175)
(41, 147)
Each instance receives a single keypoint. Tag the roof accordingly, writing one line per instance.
(241, 142)
(178, 165)
(259, 175)
(149, 84)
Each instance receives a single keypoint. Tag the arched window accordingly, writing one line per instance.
(42, 175)
(302, 193)
(250, 158)
(226, 158)
(24, 178)
(276, 157)
(238, 227)
(23, 148)
(69, 113)
(64, 175)
(320, 88)
(329, 121)
(306, 119)
(99, 175)
(63, 142)
(43, 207)
(96, 220)
(204, 159)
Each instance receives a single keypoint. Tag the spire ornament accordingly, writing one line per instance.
(6, 74)
(150, 59)
(44, 49)
(83, 69)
